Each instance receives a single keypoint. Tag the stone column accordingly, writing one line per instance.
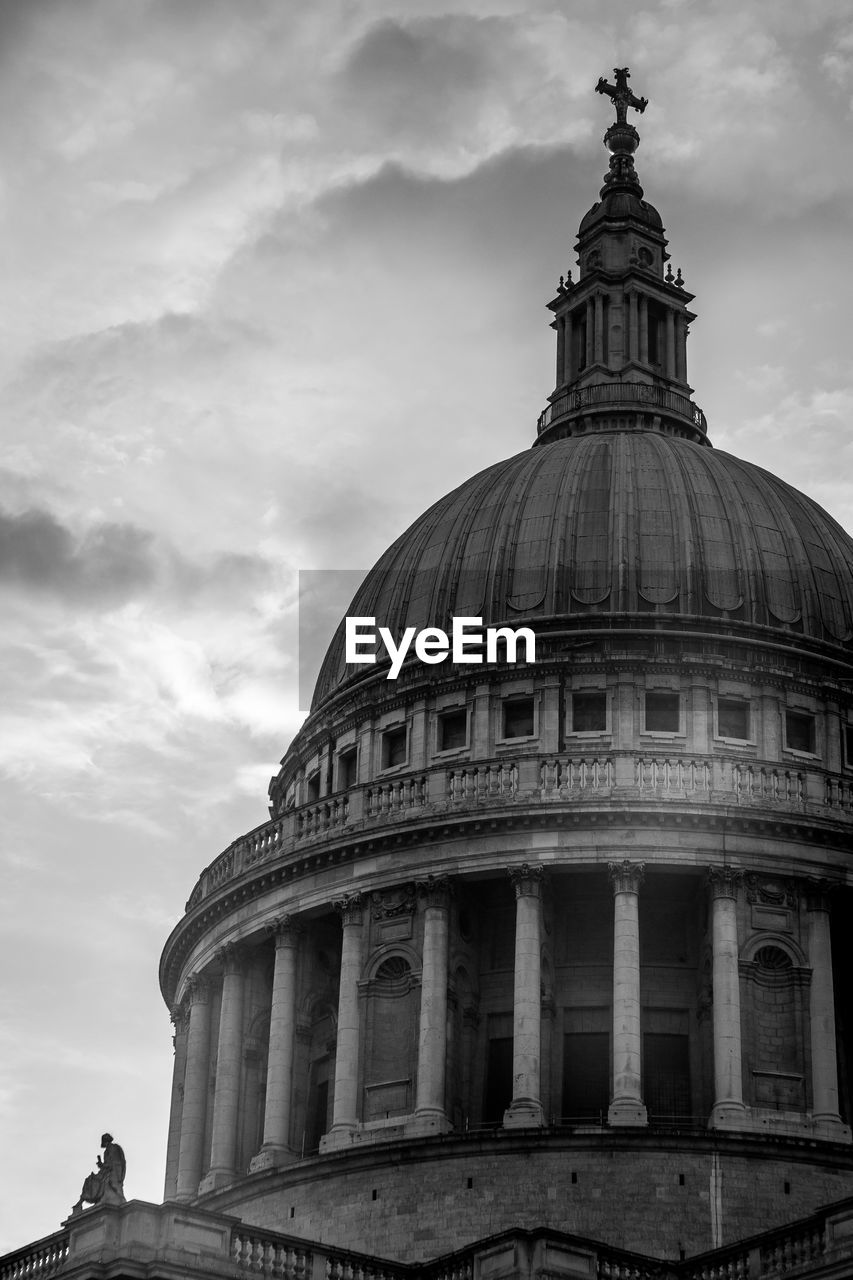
(430, 1113)
(728, 1111)
(229, 1062)
(670, 343)
(276, 1149)
(633, 327)
(525, 1110)
(180, 1019)
(590, 332)
(644, 329)
(681, 349)
(568, 370)
(345, 1106)
(599, 329)
(194, 1112)
(627, 1106)
(827, 1121)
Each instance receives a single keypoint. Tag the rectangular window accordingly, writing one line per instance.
(518, 718)
(799, 731)
(848, 745)
(452, 730)
(313, 788)
(586, 1075)
(666, 1075)
(589, 711)
(347, 768)
(662, 711)
(732, 718)
(394, 747)
(498, 1093)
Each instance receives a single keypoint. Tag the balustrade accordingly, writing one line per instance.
(42, 1258)
(676, 773)
(699, 779)
(395, 797)
(761, 783)
(563, 777)
(483, 782)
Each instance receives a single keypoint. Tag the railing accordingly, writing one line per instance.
(536, 780)
(386, 798)
(317, 818)
(793, 1248)
(625, 395)
(42, 1258)
(758, 782)
(562, 778)
(676, 773)
(482, 782)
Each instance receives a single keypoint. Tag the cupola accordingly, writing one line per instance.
(622, 325)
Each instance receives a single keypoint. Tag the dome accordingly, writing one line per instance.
(621, 204)
(623, 524)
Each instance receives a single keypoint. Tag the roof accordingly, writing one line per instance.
(627, 523)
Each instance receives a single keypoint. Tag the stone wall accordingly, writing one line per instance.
(412, 1201)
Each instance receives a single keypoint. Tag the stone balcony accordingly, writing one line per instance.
(538, 784)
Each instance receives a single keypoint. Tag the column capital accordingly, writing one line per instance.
(232, 957)
(350, 908)
(285, 931)
(817, 891)
(724, 882)
(178, 1016)
(626, 876)
(198, 989)
(527, 880)
(434, 891)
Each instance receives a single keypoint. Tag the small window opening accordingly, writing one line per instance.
(799, 731)
(848, 745)
(732, 718)
(589, 711)
(313, 788)
(394, 747)
(347, 768)
(518, 718)
(452, 730)
(662, 711)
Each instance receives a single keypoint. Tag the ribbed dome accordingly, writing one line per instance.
(619, 205)
(614, 523)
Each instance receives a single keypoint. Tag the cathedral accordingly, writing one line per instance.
(539, 966)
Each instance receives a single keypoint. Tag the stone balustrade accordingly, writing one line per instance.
(165, 1237)
(536, 780)
(42, 1258)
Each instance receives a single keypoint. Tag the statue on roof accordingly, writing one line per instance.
(107, 1185)
(622, 96)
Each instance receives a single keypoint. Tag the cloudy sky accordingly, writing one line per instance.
(273, 279)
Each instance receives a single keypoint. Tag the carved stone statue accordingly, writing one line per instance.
(107, 1185)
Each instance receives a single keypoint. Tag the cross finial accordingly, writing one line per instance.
(622, 96)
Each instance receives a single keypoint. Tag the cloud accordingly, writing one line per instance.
(110, 561)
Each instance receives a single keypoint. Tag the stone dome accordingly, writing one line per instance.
(617, 525)
(621, 204)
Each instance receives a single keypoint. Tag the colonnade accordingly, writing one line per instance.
(193, 1028)
(582, 336)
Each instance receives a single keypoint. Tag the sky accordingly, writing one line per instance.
(273, 280)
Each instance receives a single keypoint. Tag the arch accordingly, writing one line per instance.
(390, 951)
(774, 941)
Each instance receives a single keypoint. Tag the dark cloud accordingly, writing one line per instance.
(112, 563)
(109, 562)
